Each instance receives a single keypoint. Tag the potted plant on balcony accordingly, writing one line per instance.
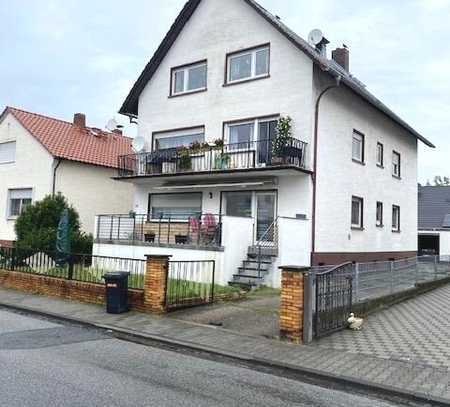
(223, 161)
(184, 159)
(282, 140)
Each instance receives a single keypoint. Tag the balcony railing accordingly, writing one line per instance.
(237, 156)
(193, 230)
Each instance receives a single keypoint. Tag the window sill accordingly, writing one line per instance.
(11, 218)
(380, 226)
(245, 80)
(7, 162)
(357, 228)
(396, 177)
(358, 162)
(396, 231)
(380, 166)
(192, 92)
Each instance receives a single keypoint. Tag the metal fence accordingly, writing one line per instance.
(243, 155)
(174, 229)
(78, 267)
(190, 283)
(378, 279)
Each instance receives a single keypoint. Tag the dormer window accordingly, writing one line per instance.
(249, 64)
(189, 79)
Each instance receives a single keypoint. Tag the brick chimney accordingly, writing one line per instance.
(79, 120)
(342, 57)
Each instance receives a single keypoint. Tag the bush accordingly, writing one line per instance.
(37, 226)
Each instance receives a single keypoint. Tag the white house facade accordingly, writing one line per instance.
(40, 156)
(216, 180)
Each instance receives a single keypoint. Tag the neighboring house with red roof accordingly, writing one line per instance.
(40, 155)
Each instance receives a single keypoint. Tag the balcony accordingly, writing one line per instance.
(238, 157)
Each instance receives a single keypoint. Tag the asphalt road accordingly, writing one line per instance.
(43, 363)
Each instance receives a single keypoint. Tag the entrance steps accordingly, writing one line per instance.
(255, 268)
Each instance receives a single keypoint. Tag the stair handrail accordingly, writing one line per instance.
(264, 241)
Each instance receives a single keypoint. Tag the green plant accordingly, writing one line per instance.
(37, 226)
(184, 158)
(223, 160)
(284, 135)
(218, 143)
(196, 147)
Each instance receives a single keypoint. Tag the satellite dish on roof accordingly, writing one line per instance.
(315, 37)
(138, 144)
(112, 125)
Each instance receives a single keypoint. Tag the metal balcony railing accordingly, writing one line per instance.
(237, 156)
(193, 230)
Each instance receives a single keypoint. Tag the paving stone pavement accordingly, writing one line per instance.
(406, 376)
(416, 331)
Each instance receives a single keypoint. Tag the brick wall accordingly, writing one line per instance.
(67, 289)
(291, 303)
(151, 299)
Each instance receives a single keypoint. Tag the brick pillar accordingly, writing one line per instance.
(291, 304)
(155, 283)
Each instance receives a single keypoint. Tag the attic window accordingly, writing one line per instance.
(189, 78)
(248, 64)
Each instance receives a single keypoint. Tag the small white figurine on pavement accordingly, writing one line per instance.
(355, 323)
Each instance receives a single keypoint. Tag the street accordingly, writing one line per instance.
(44, 363)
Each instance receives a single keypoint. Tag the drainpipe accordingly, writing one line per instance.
(54, 175)
(314, 175)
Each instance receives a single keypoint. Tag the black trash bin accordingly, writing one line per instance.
(116, 292)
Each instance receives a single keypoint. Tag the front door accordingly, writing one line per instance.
(265, 215)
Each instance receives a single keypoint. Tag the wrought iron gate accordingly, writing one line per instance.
(333, 299)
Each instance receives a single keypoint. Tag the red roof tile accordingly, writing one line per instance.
(64, 140)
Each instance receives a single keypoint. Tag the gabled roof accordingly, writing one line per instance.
(64, 140)
(130, 106)
(434, 207)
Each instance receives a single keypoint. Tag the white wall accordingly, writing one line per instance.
(217, 28)
(31, 169)
(92, 191)
(338, 178)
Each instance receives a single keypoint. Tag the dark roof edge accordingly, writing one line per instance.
(130, 106)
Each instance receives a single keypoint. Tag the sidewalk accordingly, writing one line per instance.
(407, 378)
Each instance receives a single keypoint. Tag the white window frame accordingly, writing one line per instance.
(176, 133)
(396, 218)
(13, 160)
(186, 69)
(379, 222)
(360, 224)
(396, 166)
(360, 137)
(253, 74)
(380, 160)
(256, 122)
(9, 206)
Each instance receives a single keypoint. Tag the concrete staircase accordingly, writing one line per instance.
(255, 268)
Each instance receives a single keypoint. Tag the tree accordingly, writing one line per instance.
(441, 181)
(36, 227)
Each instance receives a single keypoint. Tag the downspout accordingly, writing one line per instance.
(54, 175)
(314, 175)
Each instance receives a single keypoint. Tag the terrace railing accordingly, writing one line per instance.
(168, 229)
(244, 155)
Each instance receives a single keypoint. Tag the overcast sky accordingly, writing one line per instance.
(58, 57)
